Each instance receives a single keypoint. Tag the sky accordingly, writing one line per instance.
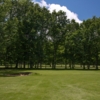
(75, 9)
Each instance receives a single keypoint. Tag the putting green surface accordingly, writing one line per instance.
(51, 85)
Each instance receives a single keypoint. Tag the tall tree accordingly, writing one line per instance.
(57, 32)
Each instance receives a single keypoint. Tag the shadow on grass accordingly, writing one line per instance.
(13, 73)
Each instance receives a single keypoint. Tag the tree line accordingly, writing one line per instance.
(31, 35)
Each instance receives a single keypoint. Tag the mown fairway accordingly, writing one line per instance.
(51, 85)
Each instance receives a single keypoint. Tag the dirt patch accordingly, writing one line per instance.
(18, 74)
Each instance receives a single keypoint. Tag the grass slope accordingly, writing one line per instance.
(52, 85)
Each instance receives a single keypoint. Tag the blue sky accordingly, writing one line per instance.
(82, 9)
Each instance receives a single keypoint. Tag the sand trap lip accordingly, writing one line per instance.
(18, 74)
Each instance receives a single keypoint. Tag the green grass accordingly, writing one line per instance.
(51, 85)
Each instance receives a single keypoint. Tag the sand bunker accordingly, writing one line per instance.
(18, 74)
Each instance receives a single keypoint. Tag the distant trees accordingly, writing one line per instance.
(31, 35)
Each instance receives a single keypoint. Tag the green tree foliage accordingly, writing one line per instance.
(31, 35)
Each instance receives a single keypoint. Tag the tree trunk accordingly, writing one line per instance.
(31, 64)
(65, 65)
(88, 66)
(83, 66)
(97, 61)
(70, 65)
(16, 64)
(40, 65)
(24, 65)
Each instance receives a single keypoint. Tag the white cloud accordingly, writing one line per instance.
(42, 3)
(70, 15)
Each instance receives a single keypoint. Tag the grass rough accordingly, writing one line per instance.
(51, 85)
